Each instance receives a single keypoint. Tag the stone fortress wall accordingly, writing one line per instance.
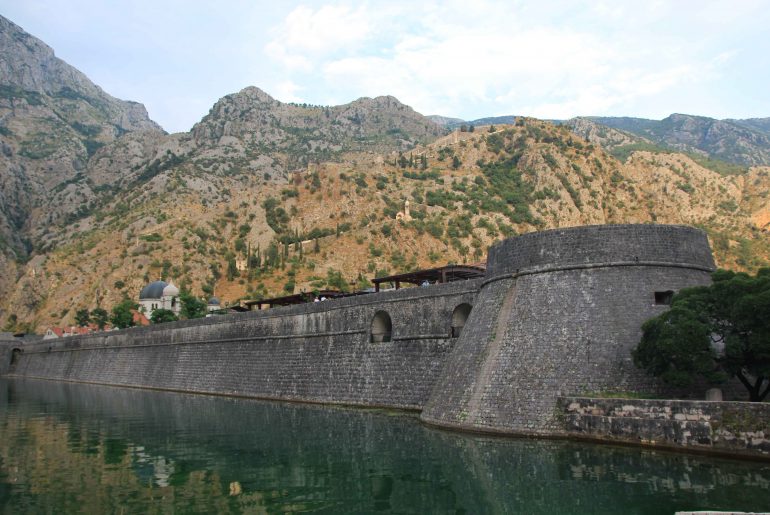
(557, 314)
(316, 352)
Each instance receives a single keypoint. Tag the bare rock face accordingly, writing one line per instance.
(308, 132)
(29, 69)
(744, 142)
(602, 135)
(53, 120)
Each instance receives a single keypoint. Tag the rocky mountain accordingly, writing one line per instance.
(446, 121)
(734, 141)
(254, 117)
(336, 223)
(758, 124)
(603, 135)
(253, 125)
(453, 123)
(67, 147)
(738, 142)
(97, 200)
(53, 120)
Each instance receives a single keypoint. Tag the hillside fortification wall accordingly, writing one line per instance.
(558, 314)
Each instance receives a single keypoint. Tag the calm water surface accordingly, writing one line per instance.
(85, 449)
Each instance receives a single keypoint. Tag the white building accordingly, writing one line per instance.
(159, 295)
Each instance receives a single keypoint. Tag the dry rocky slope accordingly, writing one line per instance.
(745, 142)
(738, 142)
(86, 223)
(190, 226)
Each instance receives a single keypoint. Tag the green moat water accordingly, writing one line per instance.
(68, 448)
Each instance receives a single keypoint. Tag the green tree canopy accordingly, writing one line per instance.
(160, 316)
(192, 307)
(122, 314)
(713, 332)
(82, 317)
(100, 317)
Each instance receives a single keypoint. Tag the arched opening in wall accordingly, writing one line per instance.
(459, 317)
(15, 353)
(382, 328)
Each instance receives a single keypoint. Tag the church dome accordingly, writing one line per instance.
(153, 290)
(170, 291)
(213, 301)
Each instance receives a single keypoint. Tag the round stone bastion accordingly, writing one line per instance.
(601, 245)
(559, 314)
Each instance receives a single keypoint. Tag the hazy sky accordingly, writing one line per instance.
(466, 59)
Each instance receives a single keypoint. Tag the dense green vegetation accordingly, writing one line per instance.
(160, 316)
(713, 332)
(122, 314)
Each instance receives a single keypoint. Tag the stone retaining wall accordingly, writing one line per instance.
(722, 427)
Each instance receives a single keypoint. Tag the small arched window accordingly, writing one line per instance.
(382, 328)
(459, 317)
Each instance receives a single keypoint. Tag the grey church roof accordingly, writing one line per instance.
(153, 290)
(213, 301)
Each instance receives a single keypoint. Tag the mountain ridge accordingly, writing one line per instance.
(91, 210)
(742, 142)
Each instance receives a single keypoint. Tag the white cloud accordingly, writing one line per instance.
(307, 33)
(286, 91)
(492, 57)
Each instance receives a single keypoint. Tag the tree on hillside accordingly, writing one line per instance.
(100, 317)
(713, 332)
(232, 268)
(160, 316)
(82, 317)
(10, 324)
(192, 307)
(122, 314)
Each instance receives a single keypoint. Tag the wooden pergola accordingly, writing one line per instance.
(289, 300)
(440, 275)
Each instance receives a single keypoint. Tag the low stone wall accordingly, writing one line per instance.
(736, 428)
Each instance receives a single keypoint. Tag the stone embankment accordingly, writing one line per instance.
(718, 427)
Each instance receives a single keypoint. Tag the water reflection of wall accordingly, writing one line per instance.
(195, 448)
